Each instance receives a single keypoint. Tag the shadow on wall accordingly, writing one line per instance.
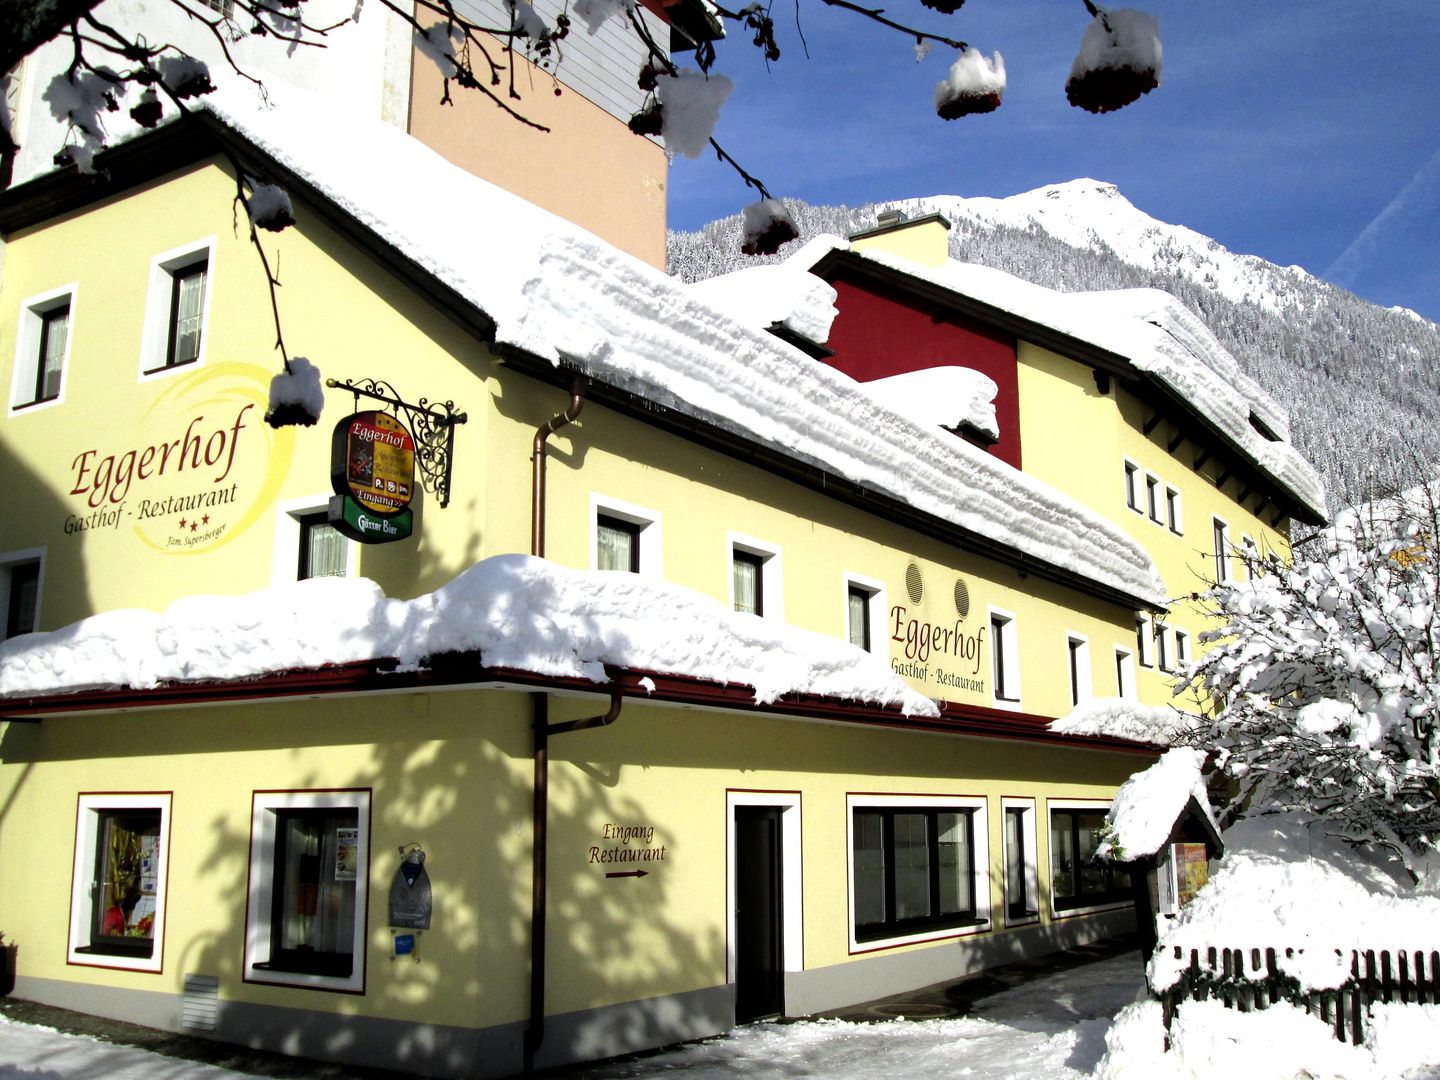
(452, 772)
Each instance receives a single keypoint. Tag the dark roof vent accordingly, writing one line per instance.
(890, 217)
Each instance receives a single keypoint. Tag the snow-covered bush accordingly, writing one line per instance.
(296, 398)
(1119, 60)
(767, 225)
(1325, 675)
(974, 85)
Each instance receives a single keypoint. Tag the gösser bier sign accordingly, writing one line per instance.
(372, 471)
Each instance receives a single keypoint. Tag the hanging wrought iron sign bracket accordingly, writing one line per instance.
(431, 424)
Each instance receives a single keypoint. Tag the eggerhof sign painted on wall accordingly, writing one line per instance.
(193, 471)
(372, 470)
(938, 648)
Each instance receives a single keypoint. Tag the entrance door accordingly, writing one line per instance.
(759, 924)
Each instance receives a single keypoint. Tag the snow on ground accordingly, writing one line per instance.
(1054, 1028)
(30, 1052)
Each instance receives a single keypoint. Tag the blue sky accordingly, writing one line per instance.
(1303, 131)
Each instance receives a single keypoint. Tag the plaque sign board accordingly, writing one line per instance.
(372, 471)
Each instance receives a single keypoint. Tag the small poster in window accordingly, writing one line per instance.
(347, 853)
(1192, 870)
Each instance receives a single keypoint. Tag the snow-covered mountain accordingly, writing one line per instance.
(1361, 382)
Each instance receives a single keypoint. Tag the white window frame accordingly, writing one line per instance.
(980, 856)
(647, 522)
(1124, 673)
(1163, 660)
(1077, 666)
(772, 581)
(792, 879)
(1182, 649)
(1251, 552)
(877, 608)
(1009, 666)
(1133, 472)
(21, 557)
(1174, 510)
(1026, 807)
(1220, 537)
(1051, 805)
(90, 806)
(259, 900)
(285, 555)
(155, 334)
(1153, 509)
(28, 333)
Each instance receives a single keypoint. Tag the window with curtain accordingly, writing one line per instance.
(187, 305)
(747, 582)
(323, 551)
(617, 544)
(313, 918)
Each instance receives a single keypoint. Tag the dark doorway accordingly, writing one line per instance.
(759, 933)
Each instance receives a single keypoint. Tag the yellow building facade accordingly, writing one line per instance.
(226, 854)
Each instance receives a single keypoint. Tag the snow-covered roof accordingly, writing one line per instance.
(520, 613)
(1148, 805)
(563, 295)
(1158, 336)
(1121, 718)
(947, 396)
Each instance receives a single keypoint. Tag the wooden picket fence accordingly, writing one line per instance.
(1250, 979)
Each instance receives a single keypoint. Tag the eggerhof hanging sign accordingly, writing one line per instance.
(372, 471)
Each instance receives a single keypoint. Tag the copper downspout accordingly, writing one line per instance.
(537, 465)
(543, 729)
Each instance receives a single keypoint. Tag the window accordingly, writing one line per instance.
(624, 537)
(1004, 657)
(1124, 673)
(117, 901)
(1077, 879)
(745, 583)
(755, 585)
(1182, 649)
(307, 545)
(1173, 513)
(309, 869)
(1162, 649)
(1152, 498)
(20, 591)
(42, 348)
(1250, 553)
(323, 551)
(177, 308)
(917, 866)
(1132, 486)
(1079, 656)
(187, 301)
(617, 544)
(1022, 887)
(864, 611)
(1222, 551)
(1144, 639)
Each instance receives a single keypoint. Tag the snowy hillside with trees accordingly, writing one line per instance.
(1360, 380)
